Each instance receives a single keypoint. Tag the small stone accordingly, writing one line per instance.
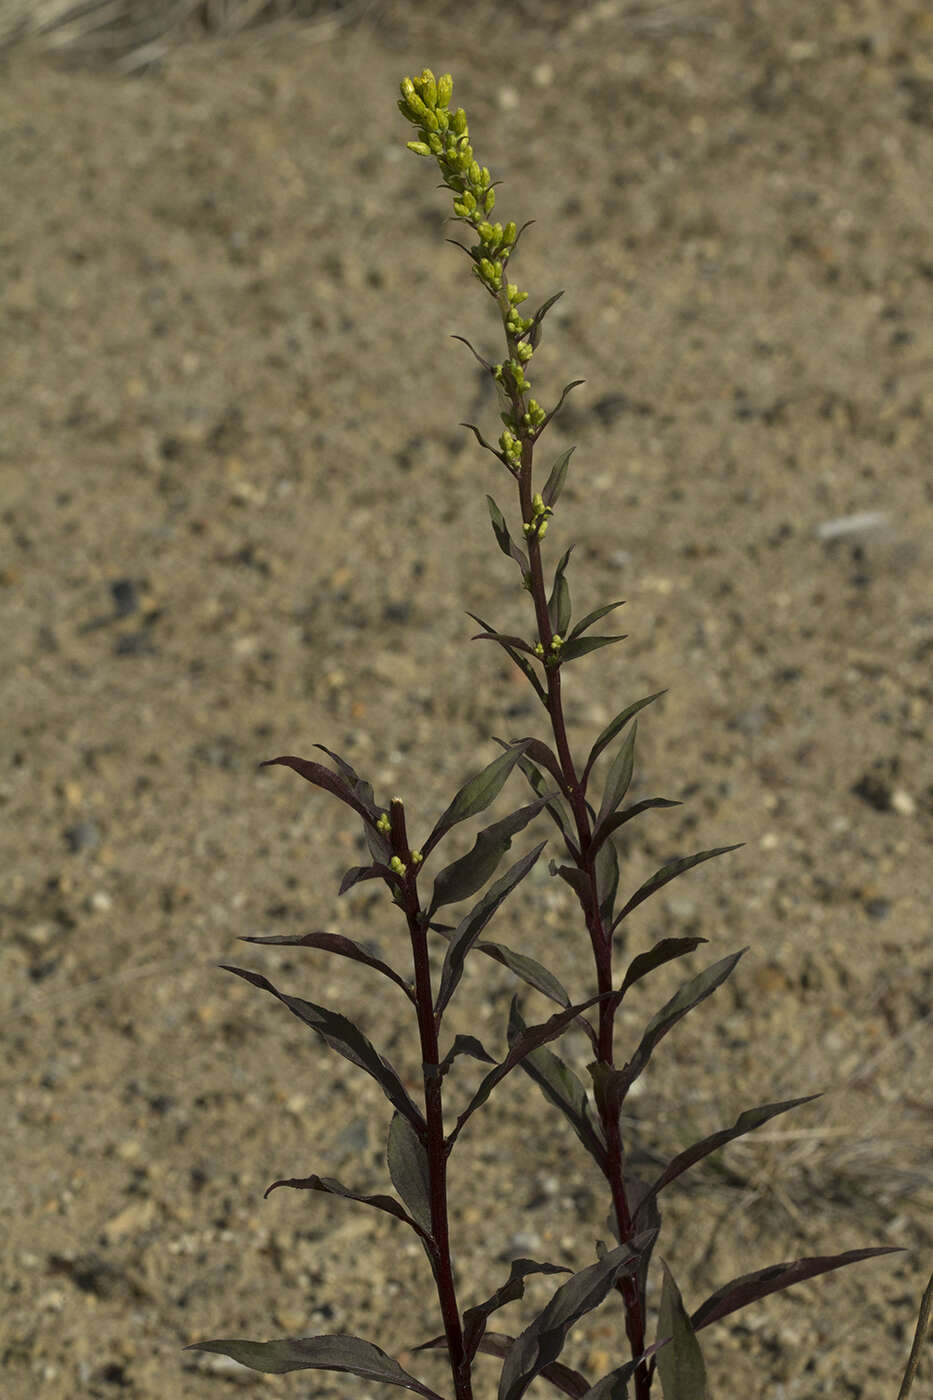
(903, 803)
(82, 836)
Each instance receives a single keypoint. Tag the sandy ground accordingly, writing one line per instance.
(238, 518)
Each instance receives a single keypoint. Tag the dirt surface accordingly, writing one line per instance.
(238, 518)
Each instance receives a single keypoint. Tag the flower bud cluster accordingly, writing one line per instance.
(536, 527)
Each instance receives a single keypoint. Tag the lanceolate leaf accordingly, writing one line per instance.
(667, 873)
(469, 930)
(407, 1161)
(336, 943)
(336, 1352)
(747, 1122)
(475, 353)
(581, 645)
(680, 1363)
(388, 1204)
(360, 786)
(561, 1377)
(607, 880)
(558, 606)
(472, 426)
(523, 664)
(347, 1039)
(504, 539)
(529, 1040)
(561, 1087)
(464, 1045)
(474, 1319)
(528, 970)
(611, 730)
(557, 407)
(619, 776)
(476, 795)
(616, 819)
(534, 334)
(322, 777)
(556, 478)
(468, 874)
(750, 1287)
(663, 951)
(594, 616)
(689, 996)
(542, 1341)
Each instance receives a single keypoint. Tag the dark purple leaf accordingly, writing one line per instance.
(478, 435)
(335, 943)
(387, 1204)
(611, 730)
(463, 1045)
(336, 1352)
(322, 777)
(561, 1087)
(475, 353)
(579, 881)
(564, 1379)
(474, 1319)
(534, 330)
(664, 951)
(594, 616)
(580, 646)
(617, 819)
(504, 539)
(505, 639)
(606, 869)
(613, 1386)
(667, 873)
(525, 666)
(360, 786)
(468, 874)
(556, 478)
(347, 1039)
(680, 1364)
(750, 1287)
(529, 1040)
(528, 970)
(358, 873)
(541, 1342)
(747, 1122)
(476, 795)
(558, 605)
(619, 776)
(470, 928)
(554, 809)
(557, 407)
(407, 1160)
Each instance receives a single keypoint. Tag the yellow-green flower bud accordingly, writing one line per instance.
(397, 865)
(416, 857)
(539, 649)
(489, 201)
(475, 172)
(509, 234)
(485, 177)
(383, 824)
(537, 503)
(445, 88)
(525, 352)
(419, 148)
(408, 89)
(428, 88)
(458, 122)
(435, 143)
(557, 640)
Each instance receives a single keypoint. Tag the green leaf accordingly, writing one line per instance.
(561, 1087)
(667, 873)
(470, 928)
(680, 1364)
(607, 880)
(619, 776)
(476, 795)
(407, 1161)
(558, 606)
(747, 1122)
(594, 616)
(336, 1352)
(580, 646)
(611, 730)
(468, 874)
(556, 478)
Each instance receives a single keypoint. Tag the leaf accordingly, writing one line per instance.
(475, 353)
(534, 333)
(407, 1160)
(468, 874)
(363, 789)
(561, 1087)
(613, 1386)
(557, 407)
(619, 776)
(358, 873)
(388, 1204)
(463, 1045)
(558, 606)
(529, 1040)
(336, 943)
(747, 1122)
(528, 970)
(322, 777)
(612, 729)
(556, 478)
(664, 951)
(474, 1319)
(750, 1287)
(476, 795)
(555, 809)
(504, 539)
(334, 1352)
(524, 666)
(617, 819)
(685, 999)
(347, 1039)
(568, 1381)
(594, 616)
(606, 869)
(542, 1341)
(470, 928)
(505, 639)
(581, 645)
(472, 426)
(680, 1364)
(667, 873)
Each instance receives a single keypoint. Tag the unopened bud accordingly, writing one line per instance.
(428, 88)
(419, 148)
(489, 201)
(458, 122)
(445, 87)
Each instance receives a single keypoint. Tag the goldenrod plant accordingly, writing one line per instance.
(583, 796)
